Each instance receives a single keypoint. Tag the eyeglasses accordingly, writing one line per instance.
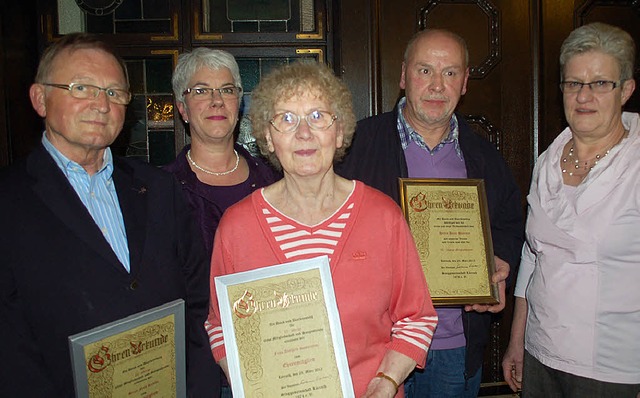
(206, 93)
(89, 91)
(288, 122)
(599, 86)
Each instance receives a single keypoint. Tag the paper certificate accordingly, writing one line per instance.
(142, 355)
(282, 332)
(450, 225)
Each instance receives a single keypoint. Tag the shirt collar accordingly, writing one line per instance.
(67, 165)
(408, 133)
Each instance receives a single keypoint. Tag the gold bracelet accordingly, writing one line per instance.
(384, 376)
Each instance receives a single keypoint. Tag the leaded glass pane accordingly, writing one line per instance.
(148, 133)
(130, 16)
(253, 16)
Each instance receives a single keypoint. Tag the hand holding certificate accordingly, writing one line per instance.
(282, 332)
(449, 222)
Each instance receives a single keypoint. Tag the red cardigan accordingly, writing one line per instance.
(380, 288)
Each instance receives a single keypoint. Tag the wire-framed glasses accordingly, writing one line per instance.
(288, 122)
(598, 86)
(89, 91)
(206, 93)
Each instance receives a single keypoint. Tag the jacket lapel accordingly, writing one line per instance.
(56, 193)
(133, 195)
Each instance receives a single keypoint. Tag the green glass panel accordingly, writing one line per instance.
(249, 73)
(256, 10)
(135, 69)
(267, 64)
(142, 26)
(132, 142)
(273, 27)
(159, 75)
(161, 147)
(131, 9)
(156, 8)
(226, 16)
(103, 24)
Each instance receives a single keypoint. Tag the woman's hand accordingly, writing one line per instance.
(512, 365)
(380, 388)
(224, 365)
(514, 357)
(395, 366)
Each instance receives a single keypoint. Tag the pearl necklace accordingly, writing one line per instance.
(577, 163)
(213, 173)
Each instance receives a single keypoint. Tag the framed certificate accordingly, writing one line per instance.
(142, 355)
(282, 332)
(449, 221)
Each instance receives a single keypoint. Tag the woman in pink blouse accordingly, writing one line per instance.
(576, 326)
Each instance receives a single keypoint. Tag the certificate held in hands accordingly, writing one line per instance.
(449, 222)
(282, 332)
(142, 355)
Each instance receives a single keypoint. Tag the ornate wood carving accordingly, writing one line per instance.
(493, 27)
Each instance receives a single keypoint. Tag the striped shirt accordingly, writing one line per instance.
(98, 194)
(299, 241)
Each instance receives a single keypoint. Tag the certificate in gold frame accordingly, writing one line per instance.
(282, 331)
(449, 221)
(140, 355)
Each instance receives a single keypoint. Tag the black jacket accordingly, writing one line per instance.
(377, 159)
(59, 276)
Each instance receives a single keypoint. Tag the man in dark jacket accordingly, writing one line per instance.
(424, 138)
(89, 238)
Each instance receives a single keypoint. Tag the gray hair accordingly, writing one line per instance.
(604, 38)
(190, 62)
(428, 32)
(294, 80)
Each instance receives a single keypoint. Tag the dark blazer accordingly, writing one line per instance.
(59, 276)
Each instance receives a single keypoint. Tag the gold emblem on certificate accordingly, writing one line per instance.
(139, 356)
(282, 332)
(450, 225)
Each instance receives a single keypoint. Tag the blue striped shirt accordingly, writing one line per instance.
(98, 193)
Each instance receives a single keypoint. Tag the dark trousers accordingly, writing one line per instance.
(540, 381)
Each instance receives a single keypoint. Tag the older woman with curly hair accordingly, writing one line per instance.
(303, 121)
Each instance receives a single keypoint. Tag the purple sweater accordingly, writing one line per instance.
(444, 163)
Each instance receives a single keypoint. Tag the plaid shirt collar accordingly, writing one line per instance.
(408, 134)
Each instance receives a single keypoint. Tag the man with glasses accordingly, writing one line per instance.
(89, 238)
(424, 138)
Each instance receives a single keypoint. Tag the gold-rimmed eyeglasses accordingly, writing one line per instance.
(598, 86)
(89, 91)
(206, 93)
(288, 122)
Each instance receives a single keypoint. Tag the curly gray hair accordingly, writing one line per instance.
(291, 80)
